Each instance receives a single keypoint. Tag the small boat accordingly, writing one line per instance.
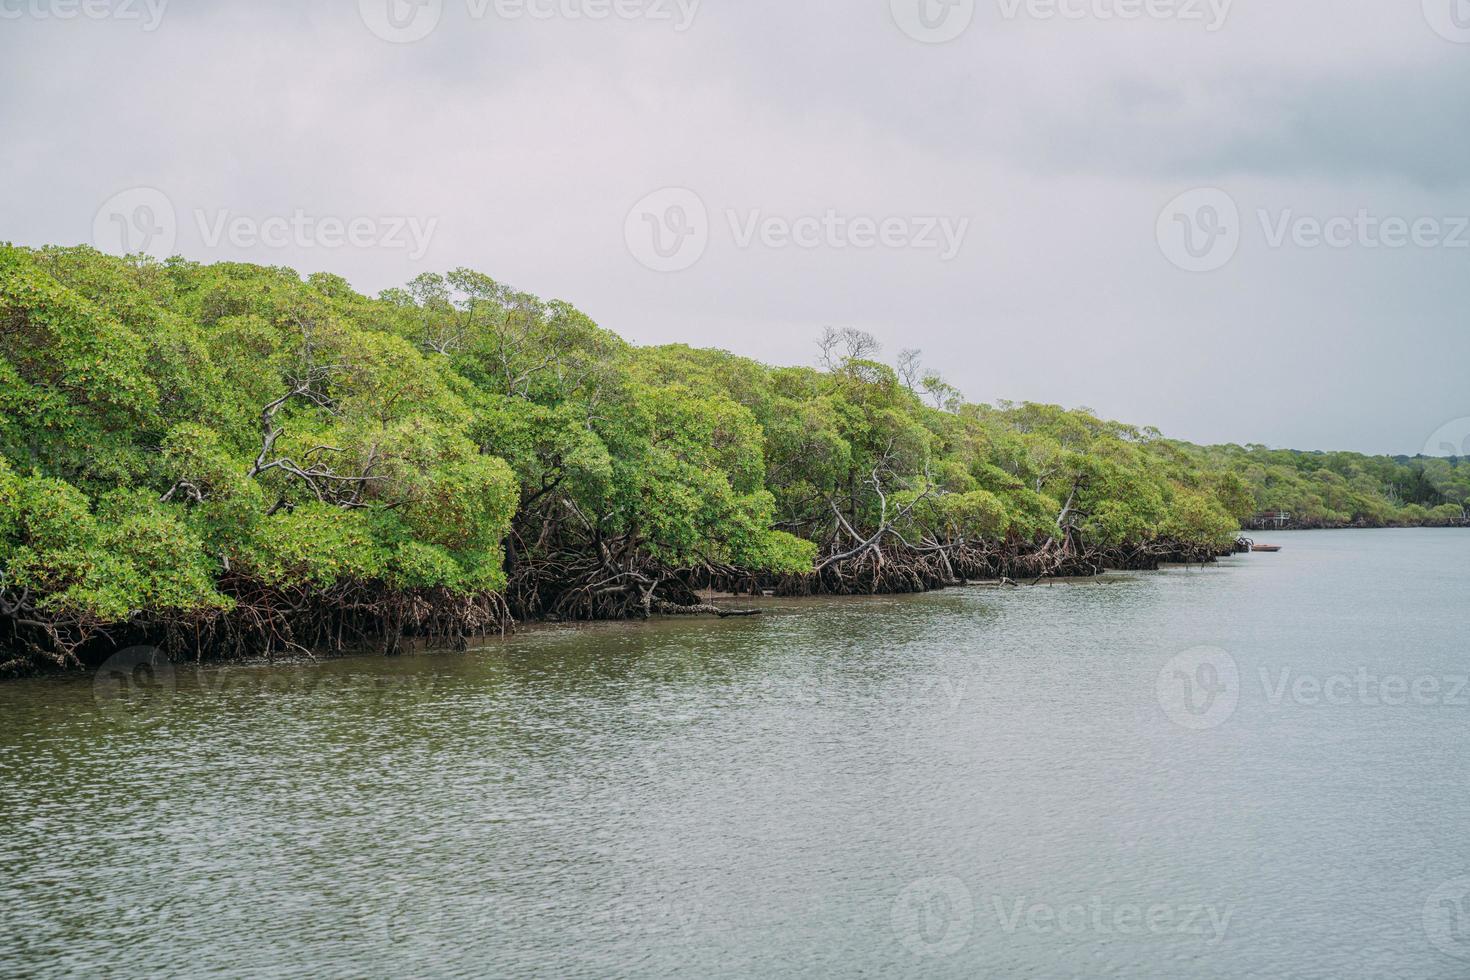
(1268, 548)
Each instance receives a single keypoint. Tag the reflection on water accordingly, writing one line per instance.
(1256, 767)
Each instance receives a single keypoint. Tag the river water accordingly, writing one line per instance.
(1254, 768)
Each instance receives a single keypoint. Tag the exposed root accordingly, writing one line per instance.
(902, 569)
(265, 621)
(577, 578)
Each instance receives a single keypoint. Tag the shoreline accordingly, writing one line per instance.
(375, 647)
(269, 621)
(421, 647)
(1259, 526)
(707, 601)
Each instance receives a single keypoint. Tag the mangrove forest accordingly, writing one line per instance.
(230, 460)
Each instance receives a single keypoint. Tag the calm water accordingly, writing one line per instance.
(1257, 768)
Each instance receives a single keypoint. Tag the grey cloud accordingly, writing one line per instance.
(1060, 143)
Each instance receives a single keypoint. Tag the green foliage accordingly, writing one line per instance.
(167, 428)
(185, 423)
(1197, 518)
(1328, 489)
(132, 554)
(311, 543)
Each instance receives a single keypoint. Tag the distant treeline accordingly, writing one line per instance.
(1314, 489)
(228, 459)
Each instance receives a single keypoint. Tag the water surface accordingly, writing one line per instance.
(1255, 768)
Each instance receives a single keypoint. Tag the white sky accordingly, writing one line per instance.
(524, 142)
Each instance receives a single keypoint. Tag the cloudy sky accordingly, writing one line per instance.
(1242, 222)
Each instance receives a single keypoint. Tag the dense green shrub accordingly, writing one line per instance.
(171, 430)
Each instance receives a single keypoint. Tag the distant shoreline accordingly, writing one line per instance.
(1259, 525)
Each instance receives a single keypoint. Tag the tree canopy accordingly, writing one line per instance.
(178, 440)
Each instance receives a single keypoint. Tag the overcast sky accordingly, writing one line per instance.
(1239, 222)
